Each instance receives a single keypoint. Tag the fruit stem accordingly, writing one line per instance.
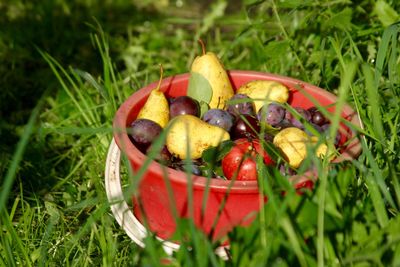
(161, 76)
(203, 47)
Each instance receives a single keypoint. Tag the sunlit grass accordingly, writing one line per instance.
(62, 216)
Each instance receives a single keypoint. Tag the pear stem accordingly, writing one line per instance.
(161, 76)
(203, 47)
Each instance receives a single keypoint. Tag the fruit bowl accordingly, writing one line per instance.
(163, 192)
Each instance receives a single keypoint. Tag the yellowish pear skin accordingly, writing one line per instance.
(210, 67)
(156, 108)
(293, 143)
(264, 91)
(322, 149)
(185, 130)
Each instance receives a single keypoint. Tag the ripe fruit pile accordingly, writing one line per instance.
(216, 132)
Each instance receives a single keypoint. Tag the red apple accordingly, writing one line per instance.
(240, 162)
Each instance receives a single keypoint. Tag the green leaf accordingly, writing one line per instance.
(360, 233)
(275, 48)
(52, 210)
(199, 88)
(92, 81)
(212, 157)
(341, 20)
(215, 154)
(386, 14)
(294, 3)
(204, 107)
(308, 216)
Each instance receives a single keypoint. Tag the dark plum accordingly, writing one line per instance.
(220, 118)
(163, 157)
(312, 109)
(268, 137)
(316, 127)
(143, 132)
(170, 100)
(184, 105)
(285, 170)
(271, 114)
(240, 104)
(305, 114)
(193, 167)
(317, 117)
(284, 124)
(326, 128)
(246, 126)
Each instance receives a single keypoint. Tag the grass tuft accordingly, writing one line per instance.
(64, 76)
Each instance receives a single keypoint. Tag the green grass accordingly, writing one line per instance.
(63, 81)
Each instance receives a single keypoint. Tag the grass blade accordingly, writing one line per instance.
(372, 183)
(18, 154)
(18, 246)
(373, 100)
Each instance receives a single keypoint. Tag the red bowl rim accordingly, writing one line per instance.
(352, 150)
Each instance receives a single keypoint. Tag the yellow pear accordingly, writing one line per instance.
(293, 143)
(188, 133)
(264, 91)
(209, 66)
(322, 149)
(156, 107)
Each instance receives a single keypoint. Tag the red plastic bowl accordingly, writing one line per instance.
(243, 200)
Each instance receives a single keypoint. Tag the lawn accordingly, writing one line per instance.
(66, 66)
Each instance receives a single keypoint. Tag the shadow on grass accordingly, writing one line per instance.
(61, 28)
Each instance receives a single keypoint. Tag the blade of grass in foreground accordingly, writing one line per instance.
(16, 245)
(373, 100)
(46, 239)
(390, 34)
(19, 152)
(83, 103)
(373, 97)
(93, 218)
(347, 77)
(373, 180)
(110, 80)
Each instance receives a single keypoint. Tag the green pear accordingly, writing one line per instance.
(209, 66)
(156, 107)
(188, 136)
